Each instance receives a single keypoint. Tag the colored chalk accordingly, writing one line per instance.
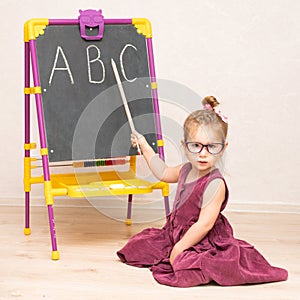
(99, 163)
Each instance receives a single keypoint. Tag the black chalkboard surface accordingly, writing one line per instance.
(83, 110)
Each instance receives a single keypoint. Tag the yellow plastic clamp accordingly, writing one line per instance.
(143, 26)
(154, 85)
(160, 143)
(44, 151)
(30, 146)
(33, 90)
(34, 28)
(163, 186)
(27, 174)
(48, 193)
(165, 191)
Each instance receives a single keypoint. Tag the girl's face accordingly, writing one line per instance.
(203, 162)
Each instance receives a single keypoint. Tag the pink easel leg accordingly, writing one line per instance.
(53, 233)
(43, 144)
(27, 135)
(129, 209)
(27, 230)
(167, 205)
(156, 110)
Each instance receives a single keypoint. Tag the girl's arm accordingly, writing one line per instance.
(212, 199)
(158, 167)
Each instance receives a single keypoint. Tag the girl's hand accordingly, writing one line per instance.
(136, 137)
(174, 253)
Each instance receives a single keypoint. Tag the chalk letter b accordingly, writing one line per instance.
(90, 61)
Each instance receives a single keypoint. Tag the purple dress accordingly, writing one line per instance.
(217, 257)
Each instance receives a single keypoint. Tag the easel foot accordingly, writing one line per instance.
(55, 255)
(27, 231)
(128, 222)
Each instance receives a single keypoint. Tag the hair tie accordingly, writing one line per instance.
(218, 112)
(207, 107)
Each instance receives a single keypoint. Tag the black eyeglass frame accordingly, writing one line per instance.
(204, 146)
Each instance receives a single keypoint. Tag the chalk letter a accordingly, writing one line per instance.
(59, 50)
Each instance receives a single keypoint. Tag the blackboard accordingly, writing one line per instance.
(83, 111)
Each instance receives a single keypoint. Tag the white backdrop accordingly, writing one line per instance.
(246, 53)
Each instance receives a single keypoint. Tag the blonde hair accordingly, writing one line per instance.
(206, 117)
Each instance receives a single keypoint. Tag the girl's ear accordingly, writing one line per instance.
(226, 145)
(182, 142)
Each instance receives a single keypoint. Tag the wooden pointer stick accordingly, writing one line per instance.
(126, 107)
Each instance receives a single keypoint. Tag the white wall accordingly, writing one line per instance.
(246, 53)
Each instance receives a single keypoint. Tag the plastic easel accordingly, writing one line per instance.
(85, 184)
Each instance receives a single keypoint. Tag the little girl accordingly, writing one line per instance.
(196, 245)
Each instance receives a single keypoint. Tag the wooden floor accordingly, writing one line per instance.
(89, 268)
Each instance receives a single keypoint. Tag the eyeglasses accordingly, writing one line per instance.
(213, 148)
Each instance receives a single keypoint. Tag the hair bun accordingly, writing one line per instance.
(211, 100)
